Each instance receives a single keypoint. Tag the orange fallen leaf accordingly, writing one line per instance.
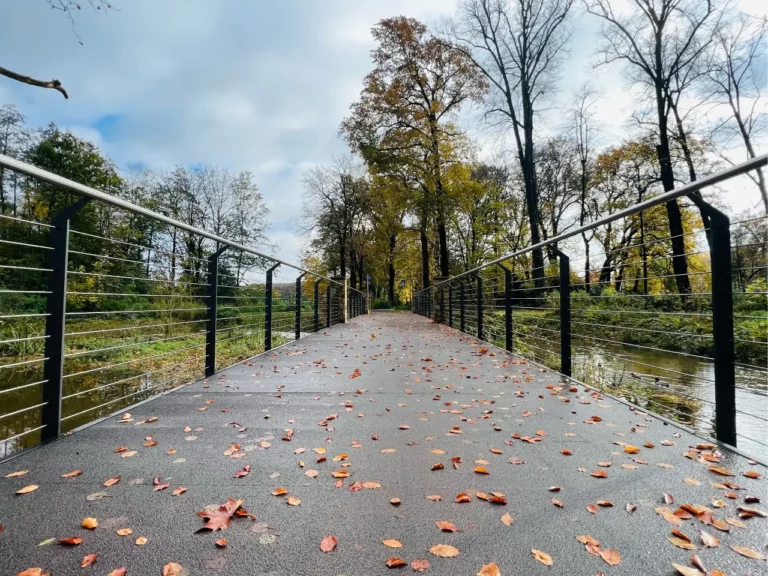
(687, 570)
(112, 481)
(680, 543)
(279, 492)
(221, 542)
(542, 557)
(371, 485)
(293, 501)
(438, 466)
(89, 523)
(27, 489)
(721, 471)
(140, 541)
(463, 498)
(631, 449)
(329, 543)
(748, 552)
(481, 470)
(392, 543)
(395, 562)
(605, 503)
(444, 550)
(179, 490)
(71, 541)
(592, 508)
(587, 540)
(88, 559)
(709, 540)
(610, 556)
(172, 569)
(72, 474)
(489, 570)
(599, 474)
(565, 452)
(124, 532)
(446, 526)
(753, 474)
(395, 501)
(118, 572)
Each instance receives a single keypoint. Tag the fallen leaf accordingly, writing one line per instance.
(27, 489)
(89, 523)
(687, 570)
(88, 559)
(392, 543)
(463, 498)
(599, 474)
(481, 470)
(507, 520)
(179, 490)
(371, 485)
(395, 562)
(128, 454)
(444, 551)
(435, 497)
(279, 492)
(592, 508)
(124, 532)
(293, 501)
(72, 474)
(489, 570)
(748, 552)
(173, 569)
(395, 501)
(753, 474)
(721, 471)
(610, 556)
(32, 572)
(542, 557)
(221, 542)
(118, 572)
(680, 543)
(446, 526)
(709, 540)
(219, 518)
(558, 503)
(112, 481)
(46, 542)
(438, 466)
(329, 544)
(71, 541)
(588, 540)
(419, 565)
(17, 474)
(140, 541)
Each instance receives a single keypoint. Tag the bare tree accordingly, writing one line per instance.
(735, 79)
(584, 129)
(658, 39)
(68, 7)
(517, 44)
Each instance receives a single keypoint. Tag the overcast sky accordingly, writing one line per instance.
(246, 84)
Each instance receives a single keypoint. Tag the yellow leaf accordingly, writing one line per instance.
(140, 541)
(489, 570)
(89, 523)
(392, 543)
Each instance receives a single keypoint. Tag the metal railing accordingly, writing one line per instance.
(698, 356)
(105, 303)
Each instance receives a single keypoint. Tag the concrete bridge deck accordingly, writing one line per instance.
(425, 397)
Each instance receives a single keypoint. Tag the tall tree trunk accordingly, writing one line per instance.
(679, 262)
(424, 254)
(442, 233)
(587, 285)
(531, 190)
(353, 263)
(391, 262)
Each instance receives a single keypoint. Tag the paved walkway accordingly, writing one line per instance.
(425, 397)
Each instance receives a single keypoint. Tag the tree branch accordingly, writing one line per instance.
(53, 84)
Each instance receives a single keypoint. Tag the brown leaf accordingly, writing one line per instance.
(89, 523)
(558, 503)
(481, 470)
(32, 572)
(118, 572)
(680, 543)
(72, 474)
(221, 542)
(592, 508)
(748, 552)
(329, 543)
(753, 474)
(610, 556)
(219, 519)
(18, 474)
(463, 497)
(588, 540)
(435, 497)
(71, 541)
(27, 489)
(88, 559)
(721, 471)
(542, 557)
(605, 503)
(446, 526)
(172, 569)
(293, 501)
(279, 492)
(112, 481)
(124, 532)
(631, 449)
(395, 562)
(507, 520)
(438, 466)
(179, 490)
(687, 570)
(565, 452)
(444, 550)
(392, 543)
(599, 474)
(419, 565)
(631, 508)
(395, 501)
(489, 570)
(141, 540)
(709, 540)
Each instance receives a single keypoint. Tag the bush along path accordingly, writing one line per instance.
(388, 444)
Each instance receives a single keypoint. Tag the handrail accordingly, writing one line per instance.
(87, 191)
(711, 180)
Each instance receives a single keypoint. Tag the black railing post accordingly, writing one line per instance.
(722, 323)
(565, 314)
(507, 308)
(211, 302)
(462, 323)
(479, 299)
(442, 305)
(328, 306)
(298, 305)
(55, 322)
(317, 304)
(268, 310)
(450, 305)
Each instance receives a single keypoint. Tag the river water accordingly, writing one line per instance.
(689, 376)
